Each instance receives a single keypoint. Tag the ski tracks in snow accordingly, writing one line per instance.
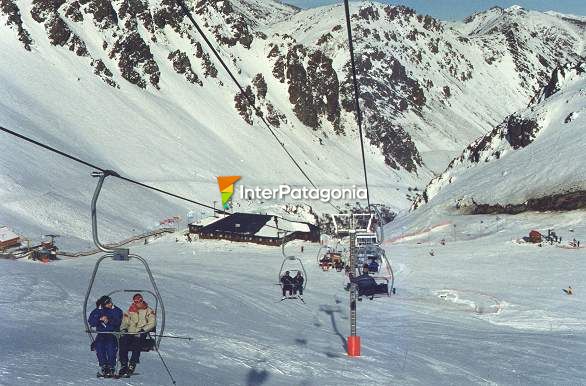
(18, 289)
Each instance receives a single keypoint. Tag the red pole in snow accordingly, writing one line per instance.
(353, 339)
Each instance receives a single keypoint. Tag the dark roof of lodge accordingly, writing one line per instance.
(243, 223)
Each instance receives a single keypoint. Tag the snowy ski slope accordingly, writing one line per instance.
(482, 310)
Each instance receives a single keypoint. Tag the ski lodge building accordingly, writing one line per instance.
(8, 238)
(255, 228)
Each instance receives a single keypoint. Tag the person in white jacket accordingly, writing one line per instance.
(138, 321)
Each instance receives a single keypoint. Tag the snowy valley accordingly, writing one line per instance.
(474, 135)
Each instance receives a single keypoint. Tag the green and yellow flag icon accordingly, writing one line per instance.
(226, 184)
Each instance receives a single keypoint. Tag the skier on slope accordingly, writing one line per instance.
(298, 284)
(106, 318)
(139, 319)
(287, 284)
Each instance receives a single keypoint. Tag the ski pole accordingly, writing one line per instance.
(165, 365)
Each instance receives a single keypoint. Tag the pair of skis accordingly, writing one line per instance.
(114, 376)
(293, 297)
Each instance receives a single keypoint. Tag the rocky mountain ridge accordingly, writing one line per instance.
(540, 138)
(419, 77)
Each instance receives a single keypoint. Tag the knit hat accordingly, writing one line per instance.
(103, 301)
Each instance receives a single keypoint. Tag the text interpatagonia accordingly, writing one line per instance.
(302, 193)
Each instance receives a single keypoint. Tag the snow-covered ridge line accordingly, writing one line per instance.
(396, 112)
(553, 118)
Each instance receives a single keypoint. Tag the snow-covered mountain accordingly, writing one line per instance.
(428, 87)
(533, 160)
(131, 86)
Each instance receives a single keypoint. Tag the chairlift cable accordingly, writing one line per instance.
(112, 173)
(249, 100)
(357, 102)
(47, 147)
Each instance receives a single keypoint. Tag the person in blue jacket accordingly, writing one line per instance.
(106, 317)
(366, 284)
(373, 266)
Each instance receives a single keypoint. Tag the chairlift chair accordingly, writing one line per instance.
(376, 224)
(330, 257)
(321, 253)
(293, 264)
(119, 255)
(345, 222)
(366, 238)
(292, 261)
(385, 274)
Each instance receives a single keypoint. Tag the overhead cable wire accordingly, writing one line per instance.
(114, 174)
(90, 165)
(356, 96)
(251, 103)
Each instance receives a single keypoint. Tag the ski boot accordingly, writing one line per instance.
(111, 372)
(131, 368)
(105, 372)
(123, 372)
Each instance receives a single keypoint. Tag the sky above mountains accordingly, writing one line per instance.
(459, 9)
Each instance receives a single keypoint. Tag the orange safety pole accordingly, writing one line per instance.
(353, 339)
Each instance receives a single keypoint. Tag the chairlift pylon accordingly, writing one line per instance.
(118, 254)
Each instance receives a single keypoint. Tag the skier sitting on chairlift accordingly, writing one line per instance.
(373, 266)
(298, 285)
(367, 286)
(287, 284)
(106, 318)
(325, 262)
(139, 319)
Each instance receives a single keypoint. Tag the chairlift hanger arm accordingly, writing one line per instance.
(102, 176)
(87, 295)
